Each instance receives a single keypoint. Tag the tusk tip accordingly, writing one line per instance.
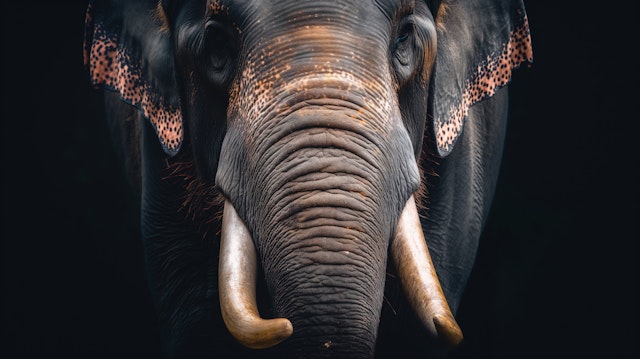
(271, 332)
(286, 328)
(448, 330)
(279, 330)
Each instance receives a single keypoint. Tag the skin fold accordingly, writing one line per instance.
(306, 188)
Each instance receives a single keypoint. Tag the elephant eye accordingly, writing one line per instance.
(218, 50)
(218, 44)
(404, 34)
(403, 45)
(407, 46)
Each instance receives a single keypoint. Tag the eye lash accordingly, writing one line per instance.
(406, 30)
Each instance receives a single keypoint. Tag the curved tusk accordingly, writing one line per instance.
(237, 285)
(418, 277)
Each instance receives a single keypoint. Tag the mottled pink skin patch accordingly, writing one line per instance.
(112, 67)
(490, 76)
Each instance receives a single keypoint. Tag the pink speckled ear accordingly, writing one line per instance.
(119, 61)
(479, 44)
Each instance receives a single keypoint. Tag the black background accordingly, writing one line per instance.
(556, 270)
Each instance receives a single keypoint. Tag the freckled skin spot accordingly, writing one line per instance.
(218, 8)
(490, 76)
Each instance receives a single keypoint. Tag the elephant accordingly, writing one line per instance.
(306, 188)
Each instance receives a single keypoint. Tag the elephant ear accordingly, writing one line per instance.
(479, 44)
(128, 50)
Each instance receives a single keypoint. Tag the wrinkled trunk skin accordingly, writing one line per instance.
(319, 165)
(326, 265)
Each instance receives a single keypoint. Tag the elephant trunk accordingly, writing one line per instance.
(323, 236)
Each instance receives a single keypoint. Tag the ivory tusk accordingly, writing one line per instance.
(418, 277)
(237, 287)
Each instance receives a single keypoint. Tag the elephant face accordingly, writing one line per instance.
(308, 117)
(317, 159)
(318, 127)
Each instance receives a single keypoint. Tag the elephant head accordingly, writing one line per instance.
(326, 129)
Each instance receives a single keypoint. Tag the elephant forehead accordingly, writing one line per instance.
(279, 11)
(254, 99)
(320, 47)
(310, 62)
